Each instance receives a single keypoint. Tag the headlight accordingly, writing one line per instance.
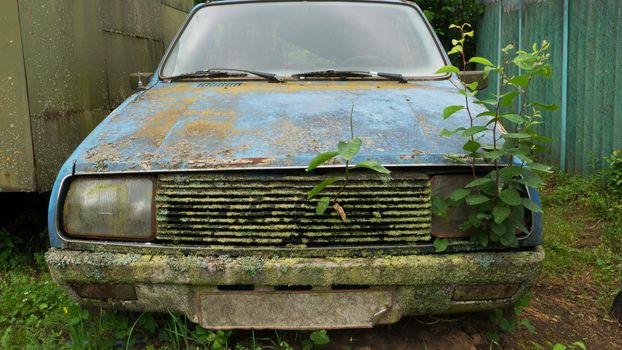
(443, 186)
(119, 207)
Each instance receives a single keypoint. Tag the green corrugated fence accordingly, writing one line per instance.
(586, 54)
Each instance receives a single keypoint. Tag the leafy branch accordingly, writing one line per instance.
(497, 201)
(346, 150)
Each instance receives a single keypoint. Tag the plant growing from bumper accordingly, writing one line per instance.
(496, 201)
(346, 150)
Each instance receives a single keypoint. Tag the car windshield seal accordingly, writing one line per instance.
(224, 73)
(350, 73)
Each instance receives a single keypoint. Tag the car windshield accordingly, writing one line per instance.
(286, 38)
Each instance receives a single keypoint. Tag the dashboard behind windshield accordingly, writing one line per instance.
(286, 38)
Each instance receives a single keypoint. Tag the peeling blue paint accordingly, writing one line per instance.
(257, 124)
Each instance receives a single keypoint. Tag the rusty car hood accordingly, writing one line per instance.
(251, 124)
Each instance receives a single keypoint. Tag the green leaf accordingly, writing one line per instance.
(322, 205)
(459, 194)
(454, 50)
(448, 69)
(540, 167)
(472, 86)
(510, 172)
(525, 61)
(488, 102)
(486, 114)
(439, 207)
(321, 159)
(476, 199)
(375, 166)
(559, 346)
(478, 182)
(448, 133)
(500, 213)
(510, 197)
(532, 180)
(447, 112)
(507, 99)
(319, 337)
(474, 130)
(440, 245)
(514, 118)
(531, 205)
(516, 135)
(520, 81)
(471, 146)
(347, 150)
(322, 185)
(550, 108)
(498, 230)
(481, 60)
(492, 155)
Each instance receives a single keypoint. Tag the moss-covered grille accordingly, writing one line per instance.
(272, 211)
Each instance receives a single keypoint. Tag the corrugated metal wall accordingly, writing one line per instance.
(588, 86)
(66, 65)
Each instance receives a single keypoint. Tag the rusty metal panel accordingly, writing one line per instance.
(16, 154)
(66, 85)
(132, 40)
(125, 55)
(77, 57)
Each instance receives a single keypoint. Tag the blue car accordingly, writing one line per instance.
(191, 196)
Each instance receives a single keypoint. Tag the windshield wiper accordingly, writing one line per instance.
(225, 73)
(350, 74)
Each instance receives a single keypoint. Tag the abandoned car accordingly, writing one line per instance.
(191, 197)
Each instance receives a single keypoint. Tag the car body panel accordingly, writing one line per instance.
(187, 125)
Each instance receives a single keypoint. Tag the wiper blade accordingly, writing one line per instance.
(350, 73)
(226, 72)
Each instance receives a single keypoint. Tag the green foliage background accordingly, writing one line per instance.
(443, 13)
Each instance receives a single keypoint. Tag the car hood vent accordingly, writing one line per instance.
(218, 84)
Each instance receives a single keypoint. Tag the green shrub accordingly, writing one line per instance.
(613, 174)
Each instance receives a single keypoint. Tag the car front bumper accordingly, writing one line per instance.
(296, 293)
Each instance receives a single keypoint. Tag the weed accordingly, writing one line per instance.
(613, 173)
(7, 246)
(346, 150)
(497, 202)
(504, 321)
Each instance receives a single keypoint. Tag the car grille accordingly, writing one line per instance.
(253, 210)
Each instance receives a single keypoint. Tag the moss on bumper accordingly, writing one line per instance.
(419, 284)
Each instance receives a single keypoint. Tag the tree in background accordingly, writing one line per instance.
(442, 13)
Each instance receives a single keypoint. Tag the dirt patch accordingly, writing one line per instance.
(565, 314)
(560, 314)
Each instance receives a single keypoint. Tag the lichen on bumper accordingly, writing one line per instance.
(417, 284)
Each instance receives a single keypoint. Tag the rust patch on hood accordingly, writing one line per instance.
(160, 125)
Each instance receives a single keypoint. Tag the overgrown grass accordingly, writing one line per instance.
(583, 235)
(37, 314)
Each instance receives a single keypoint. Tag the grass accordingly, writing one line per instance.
(583, 242)
(583, 235)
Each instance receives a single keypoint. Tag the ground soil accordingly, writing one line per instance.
(559, 314)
